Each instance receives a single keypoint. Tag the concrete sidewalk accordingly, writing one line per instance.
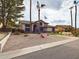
(2, 35)
(4, 39)
(19, 52)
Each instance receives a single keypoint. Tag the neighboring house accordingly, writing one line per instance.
(37, 26)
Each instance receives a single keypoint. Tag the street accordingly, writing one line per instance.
(66, 51)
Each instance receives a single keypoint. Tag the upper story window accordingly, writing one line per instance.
(40, 23)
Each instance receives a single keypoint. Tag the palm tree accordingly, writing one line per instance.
(39, 6)
(76, 2)
(71, 16)
(75, 15)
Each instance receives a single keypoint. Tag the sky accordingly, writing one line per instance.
(56, 11)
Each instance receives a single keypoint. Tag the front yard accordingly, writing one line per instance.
(27, 40)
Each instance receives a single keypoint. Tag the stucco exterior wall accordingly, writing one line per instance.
(49, 29)
(22, 27)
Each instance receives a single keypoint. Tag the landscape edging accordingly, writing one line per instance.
(3, 42)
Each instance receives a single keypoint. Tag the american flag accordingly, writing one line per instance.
(45, 17)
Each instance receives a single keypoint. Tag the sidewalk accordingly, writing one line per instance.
(2, 35)
(4, 39)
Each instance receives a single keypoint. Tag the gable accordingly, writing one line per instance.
(41, 22)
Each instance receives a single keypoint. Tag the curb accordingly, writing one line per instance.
(20, 52)
(3, 42)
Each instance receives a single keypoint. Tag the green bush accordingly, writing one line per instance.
(75, 32)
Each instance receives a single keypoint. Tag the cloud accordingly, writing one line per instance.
(55, 10)
(54, 4)
(51, 4)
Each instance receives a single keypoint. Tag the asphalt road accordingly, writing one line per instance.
(66, 51)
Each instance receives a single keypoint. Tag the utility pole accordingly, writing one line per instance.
(30, 15)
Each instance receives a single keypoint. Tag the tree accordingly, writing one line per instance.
(59, 29)
(10, 9)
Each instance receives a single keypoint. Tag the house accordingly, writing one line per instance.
(37, 26)
(50, 28)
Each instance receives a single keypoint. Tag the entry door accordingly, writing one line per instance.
(27, 29)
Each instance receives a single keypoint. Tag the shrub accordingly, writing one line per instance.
(75, 33)
(25, 35)
(17, 33)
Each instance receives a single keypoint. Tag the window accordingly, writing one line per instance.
(40, 23)
(27, 25)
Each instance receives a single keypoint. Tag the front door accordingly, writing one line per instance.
(27, 29)
(34, 28)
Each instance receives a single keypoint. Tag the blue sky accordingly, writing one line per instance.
(57, 11)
